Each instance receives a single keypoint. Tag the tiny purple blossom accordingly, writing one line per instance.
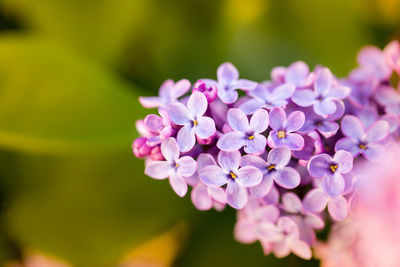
(325, 91)
(275, 169)
(331, 170)
(359, 141)
(209, 91)
(283, 128)
(169, 93)
(173, 167)
(159, 126)
(297, 74)
(229, 82)
(268, 96)
(192, 119)
(237, 179)
(389, 99)
(244, 133)
(140, 148)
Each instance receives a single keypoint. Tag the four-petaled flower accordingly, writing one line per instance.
(283, 128)
(169, 92)
(297, 74)
(237, 179)
(173, 167)
(192, 119)
(245, 134)
(160, 127)
(275, 169)
(331, 170)
(325, 91)
(359, 141)
(229, 82)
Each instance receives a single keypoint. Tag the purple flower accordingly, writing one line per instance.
(307, 221)
(159, 126)
(245, 134)
(331, 170)
(389, 99)
(275, 169)
(140, 148)
(360, 141)
(325, 91)
(283, 128)
(169, 93)
(192, 119)
(173, 167)
(229, 82)
(316, 200)
(209, 91)
(238, 179)
(268, 96)
(297, 74)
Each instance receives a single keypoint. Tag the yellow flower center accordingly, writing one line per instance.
(251, 137)
(233, 175)
(362, 146)
(281, 134)
(333, 167)
(176, 165)
(195, 122)
(270, 167)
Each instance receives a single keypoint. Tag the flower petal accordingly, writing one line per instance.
(268, 232)
(328, 127)
(338, 208)
(227, 73)
(218, 194)
(277, 119)
(238, 120)
(178, 184)
(294, 121)
(249, 176)
(325, 107)
(333, 184)
(348, 144)
(236, 195)
(244, 231)
(314, 221)
(283, 91)
(279, 157)
(304, 97)
(294, 141)
(229, 161)
(257, 144)
(251, 160)
(296, 73)
(154, 123)
(197, 104)
(231, 141)
(252, 105)
(352, 127)
(301, 249)
(338, 92)
(227, 96)
(287, 178)
(186, 138)
(292, 203)
(180, 88)
(159, 169)
(205, 159)
(178, 113)
(186, 166)
(323, 81)
(259, 121)
(243, 84)
(170, 149)
(344, 160)
(212, 175)
(151, 101)
(318, 166)
(374, 152)
(205, 127)
(377, 131)
(262, 189)
(200, 198)
(315, 200)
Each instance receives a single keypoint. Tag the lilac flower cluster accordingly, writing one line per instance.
(283, 152)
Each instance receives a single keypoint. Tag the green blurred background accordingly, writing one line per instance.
(70, 75)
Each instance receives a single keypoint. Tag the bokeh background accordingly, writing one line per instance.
(70, 75)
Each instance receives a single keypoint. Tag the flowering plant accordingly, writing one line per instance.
(283, 152)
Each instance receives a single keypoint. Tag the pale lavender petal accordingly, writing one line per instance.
(200, 198)
(294, 141)
(238, 120)
(231, 141)
(229, 161)
(178, 113)
(304, 97)
(278, 74)
(344, 160)
(348, 144)
(386, 96)
(279, 157)
(243, 84)
(170, 149)
(256, 161)
(227, 96)
(268, 232)
(245, 231)
(154, 123)
(263, 188)
(178, 184)
(315, 200)
(227, 73)
(328, 127)
(340, 109)
(218, 194)
(205, 159)
(287, 178)
(268, 213)
(274, 141)
(186, 138)
(318, 166)
(352, 127)
(301, 249)
(180, 88)
(296, 73)
(277, 119)
(159, 169)
(325, 107)
(252, 105)
(165, 91)
(294, 121)
(333, 184)
(377, 131)
(257, 144)
(249, 176)
(259, 121)
(338, 92)
(212, 175)
(272, 197)
(205, 127)
(314, 221)
(186, 166)
(281, 248)
(283, 91)
(151, 101)
(323, 81)
(374, 152)
(338, 208)
(292, 203)
(236, 195)
(197, 105)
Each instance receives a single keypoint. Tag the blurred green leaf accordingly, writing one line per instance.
(54, 100)
(100, 28)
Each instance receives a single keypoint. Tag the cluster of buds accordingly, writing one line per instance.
(283, 152)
